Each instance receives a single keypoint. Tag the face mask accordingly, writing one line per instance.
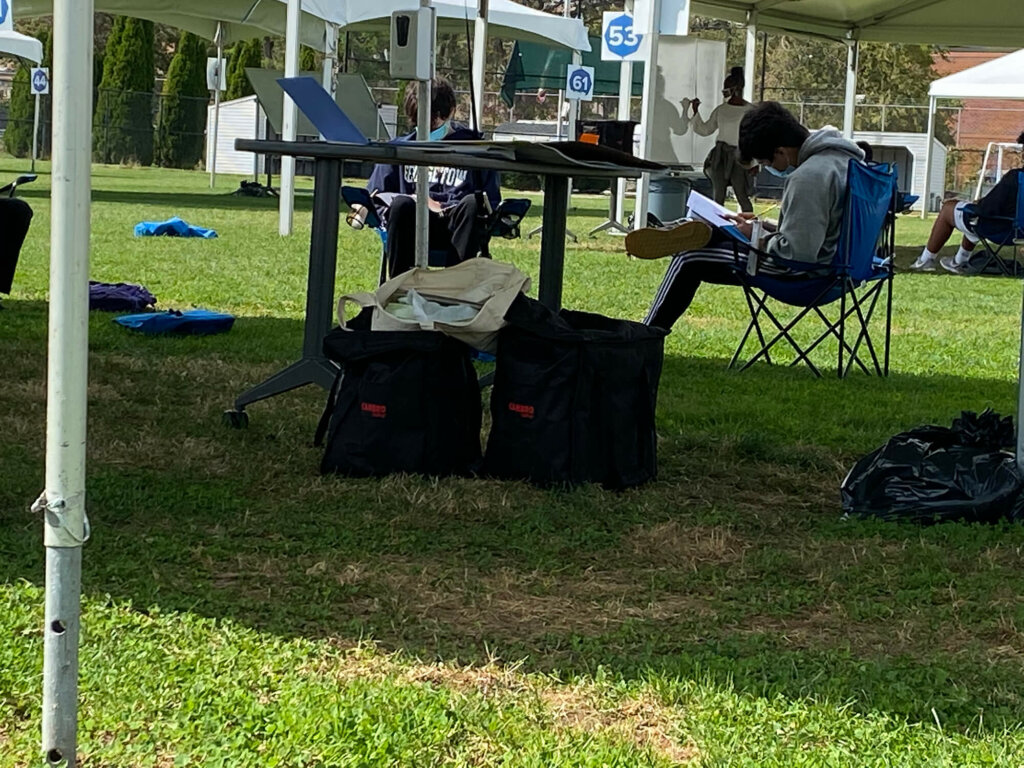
(780, 174)
(441, 131)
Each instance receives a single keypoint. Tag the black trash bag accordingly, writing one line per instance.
(404, 401)
(574, 398)
(934, 474)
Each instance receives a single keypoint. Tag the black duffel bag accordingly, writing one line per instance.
(574, 398)
(404, 401)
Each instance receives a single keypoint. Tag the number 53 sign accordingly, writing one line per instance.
(619, 39)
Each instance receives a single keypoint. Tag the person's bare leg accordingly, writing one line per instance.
(943, 227)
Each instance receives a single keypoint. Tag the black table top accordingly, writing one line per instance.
(563, 158)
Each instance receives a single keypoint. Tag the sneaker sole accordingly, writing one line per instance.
(657, 243)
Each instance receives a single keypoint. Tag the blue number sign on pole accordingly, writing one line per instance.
(580, 83)
(39, 79)
(620, 38)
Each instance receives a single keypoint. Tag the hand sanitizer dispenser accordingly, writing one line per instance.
(412, 44)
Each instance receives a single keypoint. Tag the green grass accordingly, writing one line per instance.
(240, 609)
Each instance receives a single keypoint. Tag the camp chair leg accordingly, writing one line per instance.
(888, 322)
(830, 330)
(865, 321)
(754, 325)
(784, 333)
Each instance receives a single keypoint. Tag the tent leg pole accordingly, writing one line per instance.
(216, 106)
(749, 57)
(850, 105)
(63, 500)
(286, 203)
(1020, 399)
(926, 196)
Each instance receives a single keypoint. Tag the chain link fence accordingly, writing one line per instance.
(128, 126)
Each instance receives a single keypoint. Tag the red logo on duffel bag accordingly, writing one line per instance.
(526, 411)
(374, 409)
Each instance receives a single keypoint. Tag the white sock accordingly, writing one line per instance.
(926, 255)
(962, 256)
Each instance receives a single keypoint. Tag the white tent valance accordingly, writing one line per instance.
(505, 19)
(22, 46)
(239, 19)
(1001, 78)
(993, 23)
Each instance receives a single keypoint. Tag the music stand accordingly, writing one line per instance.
(617, 134)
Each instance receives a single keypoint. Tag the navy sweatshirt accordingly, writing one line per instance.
(447, 185)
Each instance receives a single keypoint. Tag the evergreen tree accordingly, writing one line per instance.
(179, 137)
(246, 53)
(124, 112)
(18, 135)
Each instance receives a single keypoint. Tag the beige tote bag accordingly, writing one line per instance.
(484, 284)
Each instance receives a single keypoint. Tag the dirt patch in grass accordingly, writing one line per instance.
(672, 544)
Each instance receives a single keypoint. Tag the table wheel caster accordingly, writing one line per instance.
(235, 419)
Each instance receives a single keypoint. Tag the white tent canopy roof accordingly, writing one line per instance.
(1001, 78)
(241, 19)
(505, 19)
(991, 23)
(22, 46)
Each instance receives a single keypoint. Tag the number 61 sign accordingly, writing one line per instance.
(619, 39)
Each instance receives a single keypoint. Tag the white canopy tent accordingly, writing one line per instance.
(239, 19)
(1001, 78)
(498, 18)
(22, 46)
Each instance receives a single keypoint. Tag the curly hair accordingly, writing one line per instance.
(766, 127)
(442, 100)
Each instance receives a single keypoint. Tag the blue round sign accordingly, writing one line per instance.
(620, 37)
(581, 82)
(5, 7)
(38, 78)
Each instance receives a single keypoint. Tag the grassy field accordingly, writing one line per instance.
(239, 609)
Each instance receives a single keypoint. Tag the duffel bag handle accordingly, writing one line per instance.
(362, 300)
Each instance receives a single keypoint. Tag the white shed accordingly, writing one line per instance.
(908, 152)
(239, 119)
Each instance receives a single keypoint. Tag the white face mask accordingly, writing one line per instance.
(780, 174)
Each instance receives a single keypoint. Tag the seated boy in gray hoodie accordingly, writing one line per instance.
(810, 216)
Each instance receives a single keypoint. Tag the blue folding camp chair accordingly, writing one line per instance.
(995, 234)
(858, 276)
(502, 222)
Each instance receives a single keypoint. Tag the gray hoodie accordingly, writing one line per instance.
(811, 213)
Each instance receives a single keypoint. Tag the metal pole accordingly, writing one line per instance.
(35, 134)
(764, 61)
(65, 526)
(480, 60)
(1020, 399)
(286, 204)
(647, 111)
(851, 88)
(930, 138)
(330, 80)
(750, 56)
(423, 127)
(625, 99)
(219, 39)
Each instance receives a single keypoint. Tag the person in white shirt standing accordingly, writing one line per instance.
(721, 164)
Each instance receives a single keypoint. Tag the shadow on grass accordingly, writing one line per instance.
(732, 567)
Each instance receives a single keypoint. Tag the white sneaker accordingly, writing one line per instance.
(923, 264)
(950, 265)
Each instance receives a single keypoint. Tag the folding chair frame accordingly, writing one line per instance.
(853, 305)
(857, 302)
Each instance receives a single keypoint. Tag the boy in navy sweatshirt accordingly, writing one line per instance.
(459, 198)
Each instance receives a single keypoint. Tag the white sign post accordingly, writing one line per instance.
(40, 80)
(216, 81)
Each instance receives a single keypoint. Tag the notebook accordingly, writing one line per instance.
(322, 111)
